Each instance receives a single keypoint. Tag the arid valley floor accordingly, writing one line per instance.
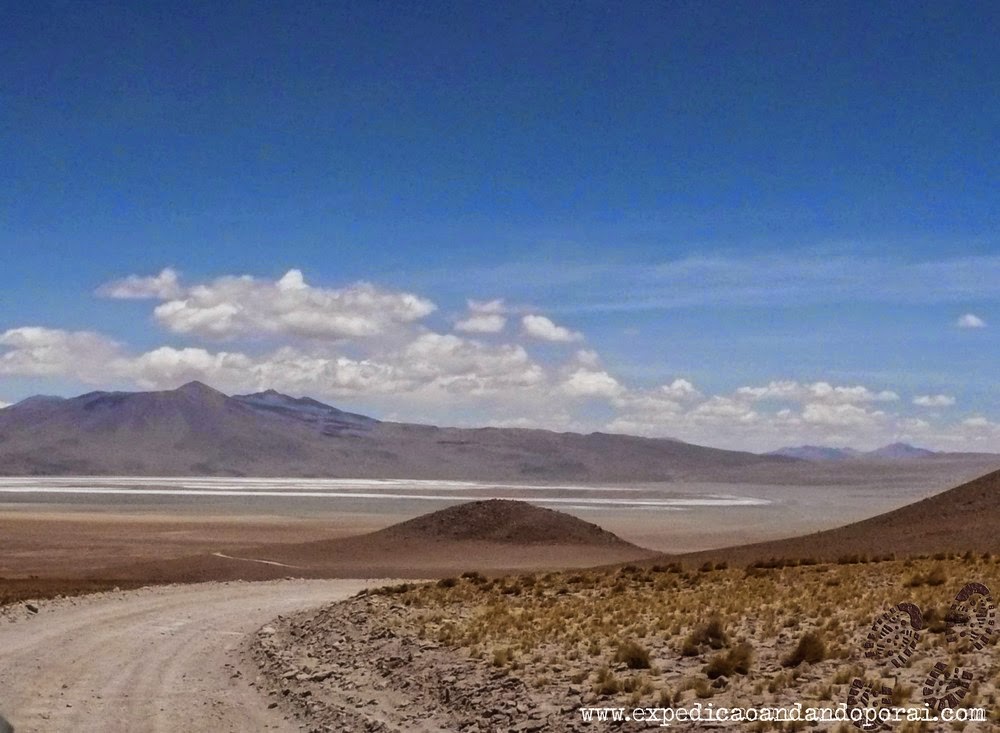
(531, 612)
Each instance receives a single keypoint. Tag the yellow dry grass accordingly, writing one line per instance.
(750, 636)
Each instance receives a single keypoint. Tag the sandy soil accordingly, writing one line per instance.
(368, 557)
(156, 659)
(72, 550)
(70, 544)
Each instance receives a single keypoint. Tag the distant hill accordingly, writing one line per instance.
(493, 536)
(964, 518)
(506, 521)
(196, 430)
(814, 453)
(901, 450)
(894, 451)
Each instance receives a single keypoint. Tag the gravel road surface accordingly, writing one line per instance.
(155, 659)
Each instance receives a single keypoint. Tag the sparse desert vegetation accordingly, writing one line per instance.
(666, 635)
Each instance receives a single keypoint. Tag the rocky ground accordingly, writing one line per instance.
(15, 592)
(357, 666)
(525, 653)
(22, 600)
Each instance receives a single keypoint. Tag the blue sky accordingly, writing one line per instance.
(729, 195)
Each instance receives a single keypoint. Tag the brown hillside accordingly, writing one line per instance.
(502, 520)
(958, 520)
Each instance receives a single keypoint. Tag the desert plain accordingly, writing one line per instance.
(458, 613)
(83, 527)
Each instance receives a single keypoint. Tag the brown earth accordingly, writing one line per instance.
(966, 518)
(51, 554)
(76, 552)
(504, 521)
(525, 538)
(70, 544)
(495, 536)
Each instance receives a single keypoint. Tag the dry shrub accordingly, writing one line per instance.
(736, 661)
(811, 649)
(633, 655)
(711, 634)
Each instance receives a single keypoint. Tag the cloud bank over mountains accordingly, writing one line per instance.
(495, 364)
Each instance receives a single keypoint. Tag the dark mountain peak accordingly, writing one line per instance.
(273, 395)
(304, 408)
(39, 400)
(195, 399)
(197, 388)
(275, 398)
(901, 450)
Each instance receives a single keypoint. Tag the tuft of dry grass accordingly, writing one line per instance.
(633, 655)
(710, 635)
(810, 649)
(735, 661)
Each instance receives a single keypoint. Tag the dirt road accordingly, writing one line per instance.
(155, 659)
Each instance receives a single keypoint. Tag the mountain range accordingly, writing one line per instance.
(892, 451)
(197, 430)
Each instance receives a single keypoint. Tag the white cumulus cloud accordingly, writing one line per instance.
(487, 306)
(164, 286)
(452, 363)
(231, 307)
(842, 415)
(654, 411)
(482, 323)
(591, 383)
(970, 320)
(543, 328)
(368, 343)
(720, 407)
(485, 316)
(679, 389)
(37, 351)
(288, 369)
(934, 400)
(824, 392)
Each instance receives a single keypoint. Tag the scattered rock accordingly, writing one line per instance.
(359, 667)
